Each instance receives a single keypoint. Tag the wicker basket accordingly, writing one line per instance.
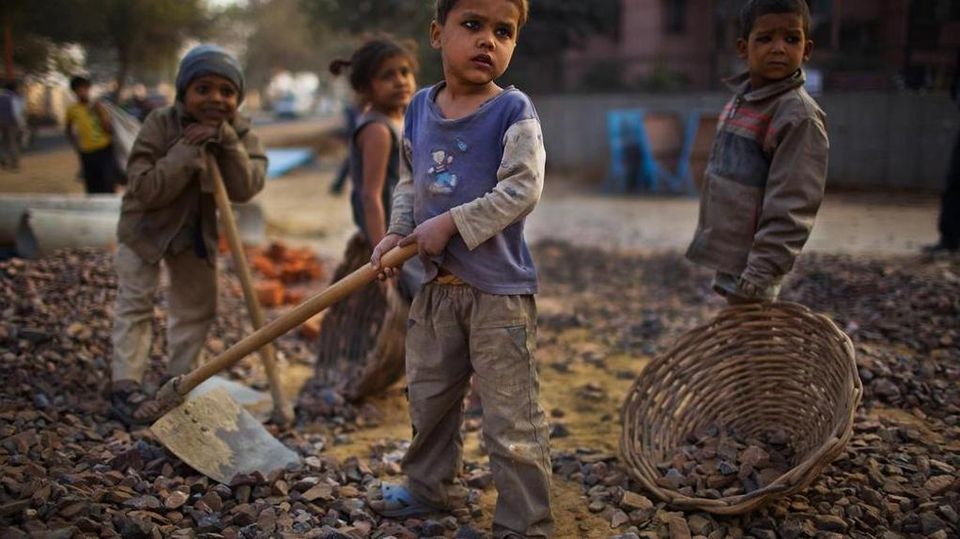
(755, 368)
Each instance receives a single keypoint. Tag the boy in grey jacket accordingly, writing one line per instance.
(168, 213)
(767, 171)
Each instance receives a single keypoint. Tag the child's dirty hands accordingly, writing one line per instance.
(432, 235)
(198, 133)
(386, 244)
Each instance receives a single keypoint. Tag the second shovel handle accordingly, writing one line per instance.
(229, 225)
(298, 315)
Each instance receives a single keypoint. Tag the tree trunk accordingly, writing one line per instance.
(123, 67)
(8, 46)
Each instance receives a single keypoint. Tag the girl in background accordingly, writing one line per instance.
(361, 342)
(382, 74)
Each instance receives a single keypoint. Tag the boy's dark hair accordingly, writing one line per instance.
(366, 60)
(757, 8)
(444, 7)
(78, 82)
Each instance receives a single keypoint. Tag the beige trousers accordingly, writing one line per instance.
(192, 301)
(455, 331)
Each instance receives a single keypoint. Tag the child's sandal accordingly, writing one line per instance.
(396, 501)
(125, 399)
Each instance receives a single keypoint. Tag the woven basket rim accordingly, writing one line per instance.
(803, 473)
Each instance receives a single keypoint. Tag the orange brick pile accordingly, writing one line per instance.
(277, 267)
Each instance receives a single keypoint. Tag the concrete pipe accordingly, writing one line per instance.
(43, 231)
(250, 219)
(13, 206)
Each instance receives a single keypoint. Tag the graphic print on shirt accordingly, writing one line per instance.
(444, 181)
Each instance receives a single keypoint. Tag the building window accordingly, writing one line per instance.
(860, 38)
(821, 23)
(924, 27)
(675, 16)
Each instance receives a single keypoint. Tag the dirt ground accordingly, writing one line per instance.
(300, 210)
(299, 207)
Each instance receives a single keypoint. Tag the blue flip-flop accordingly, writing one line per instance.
(398, 502)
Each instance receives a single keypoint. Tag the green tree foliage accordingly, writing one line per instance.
(141, 33)
(129, 34)
(280, 36)
(350, 20)
(403, 18)
(32, 50)
(554, 27)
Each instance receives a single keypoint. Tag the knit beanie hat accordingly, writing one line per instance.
(208, 60)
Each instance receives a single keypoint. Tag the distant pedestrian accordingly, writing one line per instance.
(768, 168)
(12, 125)
(950, 203)
(88, 128)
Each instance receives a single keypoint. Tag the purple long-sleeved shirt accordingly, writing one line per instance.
(487, 170)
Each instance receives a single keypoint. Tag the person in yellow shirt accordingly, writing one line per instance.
(88, 129)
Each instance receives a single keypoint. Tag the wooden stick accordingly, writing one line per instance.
(282, 412)
(178, 387)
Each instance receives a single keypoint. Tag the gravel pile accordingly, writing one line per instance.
(69, 470)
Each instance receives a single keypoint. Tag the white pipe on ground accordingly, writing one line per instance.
(43, 231)
(13, 206)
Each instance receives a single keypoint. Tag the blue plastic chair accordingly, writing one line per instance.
(627, 163)
(626, 132)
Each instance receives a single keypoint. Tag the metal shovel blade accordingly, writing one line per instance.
(256, 402)
(218, 438)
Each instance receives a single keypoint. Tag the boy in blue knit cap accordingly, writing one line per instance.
(168, 213)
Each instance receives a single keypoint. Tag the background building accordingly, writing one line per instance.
(689, 44)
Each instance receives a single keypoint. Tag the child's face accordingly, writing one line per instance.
(776, 48)
(477, 40)
(392, 85)
(83, 92)
(211, 99)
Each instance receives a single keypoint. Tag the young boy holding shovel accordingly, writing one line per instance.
(472, 169)
(168, 213)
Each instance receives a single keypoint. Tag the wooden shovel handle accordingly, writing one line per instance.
(281, 412)
(298, 315)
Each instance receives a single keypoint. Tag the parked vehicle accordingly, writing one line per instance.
(293, 105)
